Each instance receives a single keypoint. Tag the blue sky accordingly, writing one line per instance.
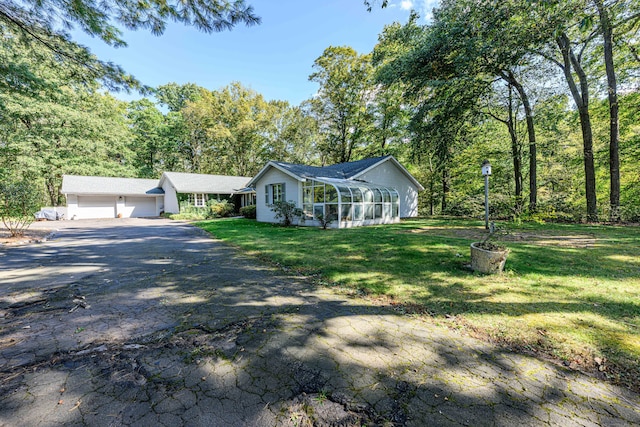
(273, 58)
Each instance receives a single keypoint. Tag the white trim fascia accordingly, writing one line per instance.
(163, 178)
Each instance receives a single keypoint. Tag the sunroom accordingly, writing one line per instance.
(349, 203)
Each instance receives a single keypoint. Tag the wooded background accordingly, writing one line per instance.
(546, 90)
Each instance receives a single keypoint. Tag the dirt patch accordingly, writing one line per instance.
(542, 238)
(30, 236)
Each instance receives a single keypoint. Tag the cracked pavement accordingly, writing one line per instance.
(151, 322)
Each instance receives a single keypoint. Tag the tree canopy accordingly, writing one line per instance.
(38, 24)
(544, 89)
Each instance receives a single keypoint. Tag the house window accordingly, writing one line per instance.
(198, 200)
(274, 193)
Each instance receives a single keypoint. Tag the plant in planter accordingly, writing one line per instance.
(488, 256)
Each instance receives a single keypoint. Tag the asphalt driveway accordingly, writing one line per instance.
(152, 322)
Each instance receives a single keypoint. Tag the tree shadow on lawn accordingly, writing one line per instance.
(220, 339)
(539, 307)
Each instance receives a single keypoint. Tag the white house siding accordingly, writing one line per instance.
(293, 193)
(389, 175)
(170, 198)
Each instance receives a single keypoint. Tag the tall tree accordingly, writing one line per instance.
(340, 106)
(227, 130)
(147, 126)
(572, 64)
(175, 96)
(66, 126)
(616, 19)
(511, 122)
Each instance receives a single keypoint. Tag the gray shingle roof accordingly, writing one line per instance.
(338, 171)
(198, 183)
(75, 184)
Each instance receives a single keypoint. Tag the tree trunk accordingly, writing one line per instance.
(581, 98)
(431, 188)
(515, 153)
(445, 188)
(533, 152)
(614, 132)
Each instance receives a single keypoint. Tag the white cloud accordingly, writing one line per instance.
(406, 5)
(426, 8)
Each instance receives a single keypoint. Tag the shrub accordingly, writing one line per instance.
(248, 211)
(189, 212)
(287, 211)
(323, 220)
(220, 209)
(19, 200)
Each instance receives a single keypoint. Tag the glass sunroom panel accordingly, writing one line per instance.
(308, 211)
(345, 194)
(331, 212)
(378, 210)
(345, 212)
(395, 210)
(367, 195)
(368, 211)
(358, 212)
(394, 195)
(357, 194)
(318, 193)
(386, 210)
(307, 195)
(330, 194)
(386, 197)
(377, 195)
(318, 210)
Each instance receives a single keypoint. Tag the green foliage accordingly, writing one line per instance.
(214, 209)
(234, 131)
(19, 200)
(175, 97)
(287, 212)
(43, 24)
(190, 212)
(149, 141)
(220, 208)
(248, 212)
(345, 80)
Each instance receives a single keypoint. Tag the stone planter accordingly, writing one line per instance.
(488, 262)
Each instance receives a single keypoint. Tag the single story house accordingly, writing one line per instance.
(366, 192)
(106, 197)
(199, 188)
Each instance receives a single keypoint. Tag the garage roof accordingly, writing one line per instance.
(75, 184)
(209, 184)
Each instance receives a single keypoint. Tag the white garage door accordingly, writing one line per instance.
(136, 207)
(96, 207)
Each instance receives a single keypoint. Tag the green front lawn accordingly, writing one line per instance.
(569, 291)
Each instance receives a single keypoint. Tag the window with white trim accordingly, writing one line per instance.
(198, 200)
(274, 193)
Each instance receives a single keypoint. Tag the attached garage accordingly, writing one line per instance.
(91, 197)
(96, 207)
(137, 207)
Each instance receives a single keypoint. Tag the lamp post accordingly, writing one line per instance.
(486, 172)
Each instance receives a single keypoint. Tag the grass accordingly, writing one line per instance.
(569, 291)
